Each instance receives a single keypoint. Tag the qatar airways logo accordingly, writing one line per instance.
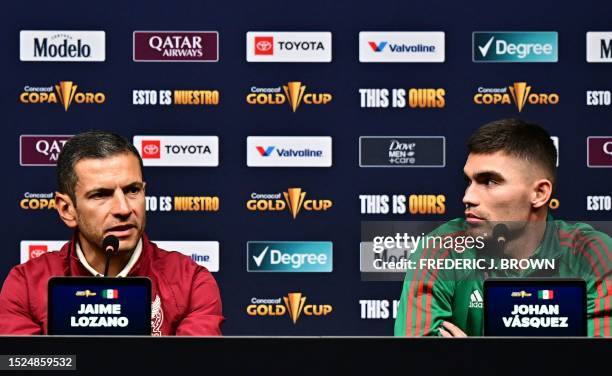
(41, 150)
(289, 47)
(176, 46)
(599, 151)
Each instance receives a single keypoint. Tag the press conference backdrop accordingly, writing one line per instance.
(354, 92)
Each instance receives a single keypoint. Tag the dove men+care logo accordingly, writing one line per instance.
(290, 256)
(514, 47)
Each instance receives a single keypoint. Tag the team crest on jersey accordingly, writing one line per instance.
(157, 316)
(476, 299)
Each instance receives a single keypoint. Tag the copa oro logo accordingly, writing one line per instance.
(294, 305)
(65, 93)
(37, 201)
(293, 200)
(293, 93)
(518, 93)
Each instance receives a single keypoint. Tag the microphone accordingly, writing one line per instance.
(110, 244)
(500, 235)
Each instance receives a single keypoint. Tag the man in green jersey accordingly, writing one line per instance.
(510, 173)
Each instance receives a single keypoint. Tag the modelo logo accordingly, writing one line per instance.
(176, 46)
(69, 45)
(599, 47)
(40, 150)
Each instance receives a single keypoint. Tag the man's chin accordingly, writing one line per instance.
(127, 244)
(478, 228)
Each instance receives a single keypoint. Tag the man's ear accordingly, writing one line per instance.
(66, 209)
(542, 190)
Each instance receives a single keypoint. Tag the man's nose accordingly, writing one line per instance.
(470, 197)
(121, 206)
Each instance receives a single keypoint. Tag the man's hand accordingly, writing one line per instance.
(450, 330)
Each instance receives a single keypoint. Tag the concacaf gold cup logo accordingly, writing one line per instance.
(64, 93)
(294, 305)
(519, 93)
(293, 93)
(294, 200)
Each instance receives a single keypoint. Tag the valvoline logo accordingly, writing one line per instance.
(377, 47)
(265, 152)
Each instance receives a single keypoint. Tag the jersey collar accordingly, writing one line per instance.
(123, 273)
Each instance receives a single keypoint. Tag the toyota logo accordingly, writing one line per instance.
(37, 252)
(151, 149)
(263, 45)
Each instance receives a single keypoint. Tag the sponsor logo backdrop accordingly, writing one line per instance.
(206, 199)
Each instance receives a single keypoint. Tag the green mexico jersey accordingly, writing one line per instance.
(431, 296)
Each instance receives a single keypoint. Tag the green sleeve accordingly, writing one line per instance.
(599, 284)
(425, 302)
(427, 294)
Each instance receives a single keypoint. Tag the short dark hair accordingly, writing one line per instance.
(94, 144)
(517, 138)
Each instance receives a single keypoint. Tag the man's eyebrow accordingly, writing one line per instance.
(490, 174)
(136, 184)
(99, 190)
